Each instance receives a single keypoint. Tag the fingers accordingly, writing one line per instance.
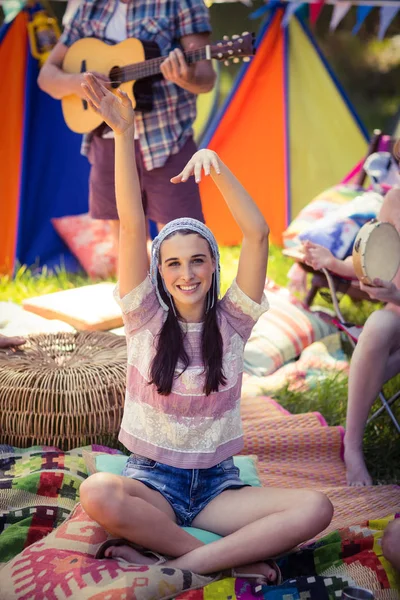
(383, 284)
(202, 160)
(175, 67)
(94, 89)
(183, 175)
(123, 96)
(9, 342)
(215, 164)
(197, 171)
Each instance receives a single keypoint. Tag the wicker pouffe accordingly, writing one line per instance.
(63, 389)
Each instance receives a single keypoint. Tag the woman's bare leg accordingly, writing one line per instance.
(129, 509)
(258, 524)
(375, 359)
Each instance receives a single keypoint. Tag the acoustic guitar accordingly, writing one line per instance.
(129, 65)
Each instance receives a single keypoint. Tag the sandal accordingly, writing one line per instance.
(260, 579)
(121, 542)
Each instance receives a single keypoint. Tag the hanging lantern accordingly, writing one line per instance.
(43, 32)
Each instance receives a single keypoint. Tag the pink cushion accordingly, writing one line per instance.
(91, 241)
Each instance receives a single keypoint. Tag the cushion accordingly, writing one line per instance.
(282, 333)
(321, 206)
(14, 320)
(91, 241)
(91, 307)
(64, 562)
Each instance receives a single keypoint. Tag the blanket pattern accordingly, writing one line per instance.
(39, 488)
(349, 556)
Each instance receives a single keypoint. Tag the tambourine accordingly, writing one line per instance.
(376, 252)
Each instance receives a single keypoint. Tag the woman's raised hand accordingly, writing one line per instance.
(203, 160)
(115, 109)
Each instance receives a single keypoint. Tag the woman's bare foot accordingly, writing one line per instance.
(130, 555)
(356, 470)
(264, 569)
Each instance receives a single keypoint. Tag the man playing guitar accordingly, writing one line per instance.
(165, 137)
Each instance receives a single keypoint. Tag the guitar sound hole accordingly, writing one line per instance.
(115, 77)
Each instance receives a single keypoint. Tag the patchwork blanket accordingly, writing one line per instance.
(39, 488)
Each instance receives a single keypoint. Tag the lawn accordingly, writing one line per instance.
(382, 442)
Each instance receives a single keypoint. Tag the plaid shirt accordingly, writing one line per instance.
(165, 129)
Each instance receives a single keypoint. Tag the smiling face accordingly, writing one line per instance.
(186, 266)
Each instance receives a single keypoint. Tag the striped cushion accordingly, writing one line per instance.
(282, 333)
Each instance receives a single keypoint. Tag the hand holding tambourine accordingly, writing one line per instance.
(376, 252)
(383, 291)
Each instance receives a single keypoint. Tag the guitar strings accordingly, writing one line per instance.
(151, 66)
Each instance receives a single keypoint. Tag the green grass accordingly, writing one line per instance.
(329, 397)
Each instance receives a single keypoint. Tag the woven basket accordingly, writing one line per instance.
(63, 389)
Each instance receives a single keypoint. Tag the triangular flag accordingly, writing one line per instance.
(262, 10)
(291, 8)
(315, 9)
(388, 13)
(339, 12)
(362, 13)
(11, 8)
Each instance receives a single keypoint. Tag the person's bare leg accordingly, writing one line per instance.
(129, 509)
(374, 360)
(114, 225)
(391, 543)
(258, 524)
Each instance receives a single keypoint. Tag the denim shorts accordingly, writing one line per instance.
(187, 490)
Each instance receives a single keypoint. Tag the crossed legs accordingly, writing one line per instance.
(376, 359)
(258, 523)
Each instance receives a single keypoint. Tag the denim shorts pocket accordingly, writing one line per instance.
(228, 466)
(136, 461)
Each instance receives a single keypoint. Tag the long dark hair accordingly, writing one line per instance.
(170, 342)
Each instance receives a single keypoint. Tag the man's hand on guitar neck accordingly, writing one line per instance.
(197, 78)
(176, 69)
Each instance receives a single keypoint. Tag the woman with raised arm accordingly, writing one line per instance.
(182, 411)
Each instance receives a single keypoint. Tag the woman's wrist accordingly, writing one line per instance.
(128, 133)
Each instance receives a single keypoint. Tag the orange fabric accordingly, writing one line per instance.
(256, 113)
(12, 66)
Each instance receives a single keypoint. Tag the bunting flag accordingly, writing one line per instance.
(339, 12)
(315, 10)
(11, 8)
(387, 15)
(362, 13)
(260, 12)
(291, 8)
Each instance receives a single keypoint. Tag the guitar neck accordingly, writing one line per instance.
(151, 67)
